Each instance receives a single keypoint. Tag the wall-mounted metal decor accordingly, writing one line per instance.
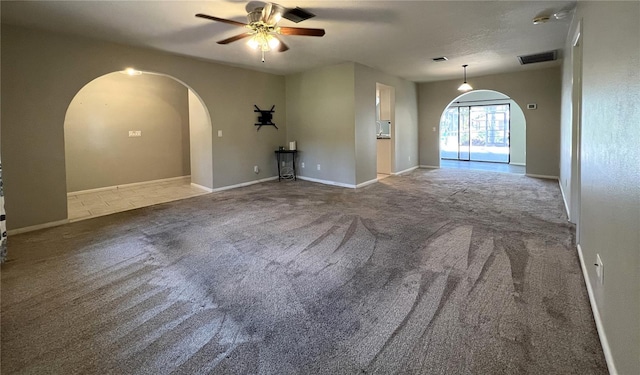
(266, 117)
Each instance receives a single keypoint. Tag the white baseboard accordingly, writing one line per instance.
(405, 171)
(327, 182)
(11, 232)
(340, 184)
(564, 199)
(429, 167)
(596, 316)
(366, 183)
(210, 190)
(116, 187)
(244, 184)
(520, 164)
(541, 176)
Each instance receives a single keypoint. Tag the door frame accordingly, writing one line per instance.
(576, 129)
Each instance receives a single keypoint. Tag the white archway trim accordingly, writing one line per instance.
(518, 120)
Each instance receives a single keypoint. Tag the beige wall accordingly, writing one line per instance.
(609, 220)
(332, 115)
(403, 116)
(321, 113)
(42, 72)
(543, 124)
(98, 149)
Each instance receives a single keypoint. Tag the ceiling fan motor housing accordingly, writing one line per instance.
(254, 16)
(271, 13)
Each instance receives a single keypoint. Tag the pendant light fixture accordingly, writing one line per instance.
(465, 86)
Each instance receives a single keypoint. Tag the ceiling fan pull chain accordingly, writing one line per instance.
(262, 55)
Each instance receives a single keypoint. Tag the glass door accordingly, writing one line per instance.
(489, 133)
(449, 134)
(476, 133)
(463, 133)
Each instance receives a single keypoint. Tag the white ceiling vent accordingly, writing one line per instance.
(538, 57)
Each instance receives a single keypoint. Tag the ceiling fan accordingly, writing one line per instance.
(263, 27)
(553, 15)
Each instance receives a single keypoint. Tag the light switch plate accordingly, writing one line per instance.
(599, 269)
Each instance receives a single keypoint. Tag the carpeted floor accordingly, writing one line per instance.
(434, 272)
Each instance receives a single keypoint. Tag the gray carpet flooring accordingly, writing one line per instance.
(434, 272)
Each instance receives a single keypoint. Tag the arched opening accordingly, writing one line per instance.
(483, 129)
(134, 140)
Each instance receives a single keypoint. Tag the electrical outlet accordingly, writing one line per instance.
(256, 169)
(302, 164)
(599, 269)
(135, 133)
(219, 133)
(318, 166)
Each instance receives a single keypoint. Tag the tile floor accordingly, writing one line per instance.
(483, 166)
(83, 206)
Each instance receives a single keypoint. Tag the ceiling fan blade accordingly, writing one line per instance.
(212, 18)
(301, 31)
(271, 13)
(281, 47)
(234, 38)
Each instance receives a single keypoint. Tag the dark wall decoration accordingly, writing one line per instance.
(266, 117)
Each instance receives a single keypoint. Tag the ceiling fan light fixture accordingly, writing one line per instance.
(253, 42)
(263, 41)
(272, 41)
(465, 86)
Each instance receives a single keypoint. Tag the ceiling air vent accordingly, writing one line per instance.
(297, 15)
(438, 59)
(538, 57)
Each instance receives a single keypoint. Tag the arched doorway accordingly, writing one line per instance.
(483, 129)
(134, 139)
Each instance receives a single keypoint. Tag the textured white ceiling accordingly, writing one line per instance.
(396, 37)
